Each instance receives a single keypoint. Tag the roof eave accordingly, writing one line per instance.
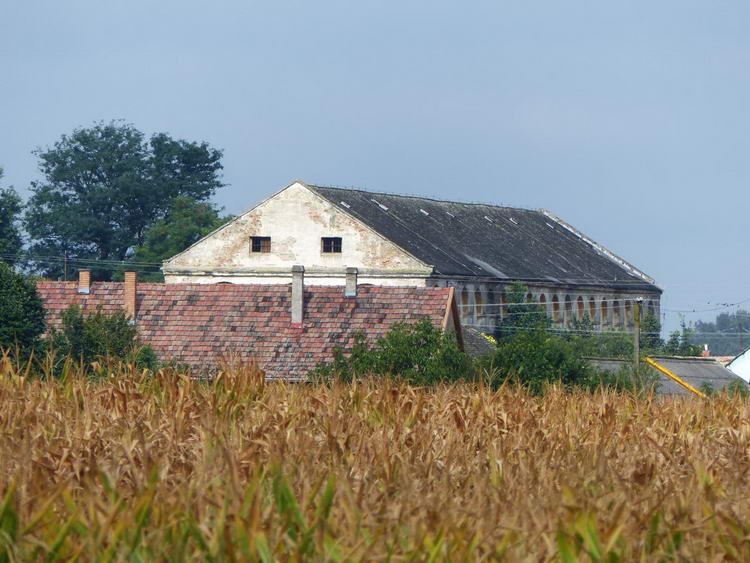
(601, 249)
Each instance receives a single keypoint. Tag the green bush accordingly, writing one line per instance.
(21, 311)
(418, 353)
(100, 336)
(537, 358)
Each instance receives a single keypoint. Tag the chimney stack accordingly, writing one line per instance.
(298, 293)
(351, 282)
(706, 353)
(84, 281)
(130, 289)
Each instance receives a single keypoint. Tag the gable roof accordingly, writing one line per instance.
(696, 372)
(740, 365)
(200, 324)
(469, 239)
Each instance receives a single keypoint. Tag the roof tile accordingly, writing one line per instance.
(198, 324)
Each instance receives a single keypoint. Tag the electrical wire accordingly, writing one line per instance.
(118, 264)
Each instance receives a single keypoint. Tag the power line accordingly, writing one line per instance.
(595, 331)
(117, 264)
(54, 259)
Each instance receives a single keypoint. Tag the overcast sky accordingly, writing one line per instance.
(628, 119)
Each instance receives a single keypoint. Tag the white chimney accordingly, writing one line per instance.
(351, 282)
(130, 290)
(298, 294)
(84, 281)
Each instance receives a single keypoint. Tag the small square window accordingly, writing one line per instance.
(260, 244)
(331, 245)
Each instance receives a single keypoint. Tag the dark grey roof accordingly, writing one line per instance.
(468, 239)
(476, 345)
(698, 372)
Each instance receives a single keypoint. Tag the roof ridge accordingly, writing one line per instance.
(393, 194)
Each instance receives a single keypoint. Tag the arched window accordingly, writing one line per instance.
(555, 310)
(543, 302)
(503, 305)
(592, 309)
(491, 307)
(529, 297)
(616, 314)
(478, 304)
(568, 310)
(579, 308)
(628, 314)
(466, 312)
(604, 320)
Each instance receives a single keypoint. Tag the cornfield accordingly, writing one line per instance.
(140, 466)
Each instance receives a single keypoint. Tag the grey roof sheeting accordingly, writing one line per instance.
(469, 239)
(475, 344)
(698, 372)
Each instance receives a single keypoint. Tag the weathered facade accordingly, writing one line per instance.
(396, 240)
(295, 220)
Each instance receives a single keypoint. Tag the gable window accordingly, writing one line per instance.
(330, 245)
(260, 244)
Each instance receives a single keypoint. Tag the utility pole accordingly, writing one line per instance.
(637, 337)
(65, 266)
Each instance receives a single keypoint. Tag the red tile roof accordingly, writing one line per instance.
(201, 324)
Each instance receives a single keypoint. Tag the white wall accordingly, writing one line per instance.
(740, 366)
(295, 219)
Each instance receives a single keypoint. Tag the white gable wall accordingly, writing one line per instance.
(741, 366)
(295, 219)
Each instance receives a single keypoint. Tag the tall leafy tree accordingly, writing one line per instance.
(21, 310)
(727, 335)
(105, 186)
(187, 222)
(10, 233)
(522, 314)
(651, 340)
(680, 342)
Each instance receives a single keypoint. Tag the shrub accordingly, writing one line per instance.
(417, 353)
(21, 310)
(537, 358)
(601, 345)
(738, 388)
(101, 335)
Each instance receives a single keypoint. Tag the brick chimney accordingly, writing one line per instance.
(130, 289)
(351, 282)
(706, 353)
(84, 281)
(298, 295)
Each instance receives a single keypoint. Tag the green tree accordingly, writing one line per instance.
(105, 186)
(11, 242)
(727, 335)
(522, 314)
(601, 345)
(651, 340)
(536, 358)
(187, 222)
(418, 353)
(21, 310)
(111, 337)
(680, 342)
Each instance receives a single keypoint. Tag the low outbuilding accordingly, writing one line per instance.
(286, 329)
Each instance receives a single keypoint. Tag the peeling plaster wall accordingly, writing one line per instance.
(295, 219)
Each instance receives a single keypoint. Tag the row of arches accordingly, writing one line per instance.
(485, 308)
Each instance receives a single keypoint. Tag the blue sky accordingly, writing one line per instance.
(627, 119)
